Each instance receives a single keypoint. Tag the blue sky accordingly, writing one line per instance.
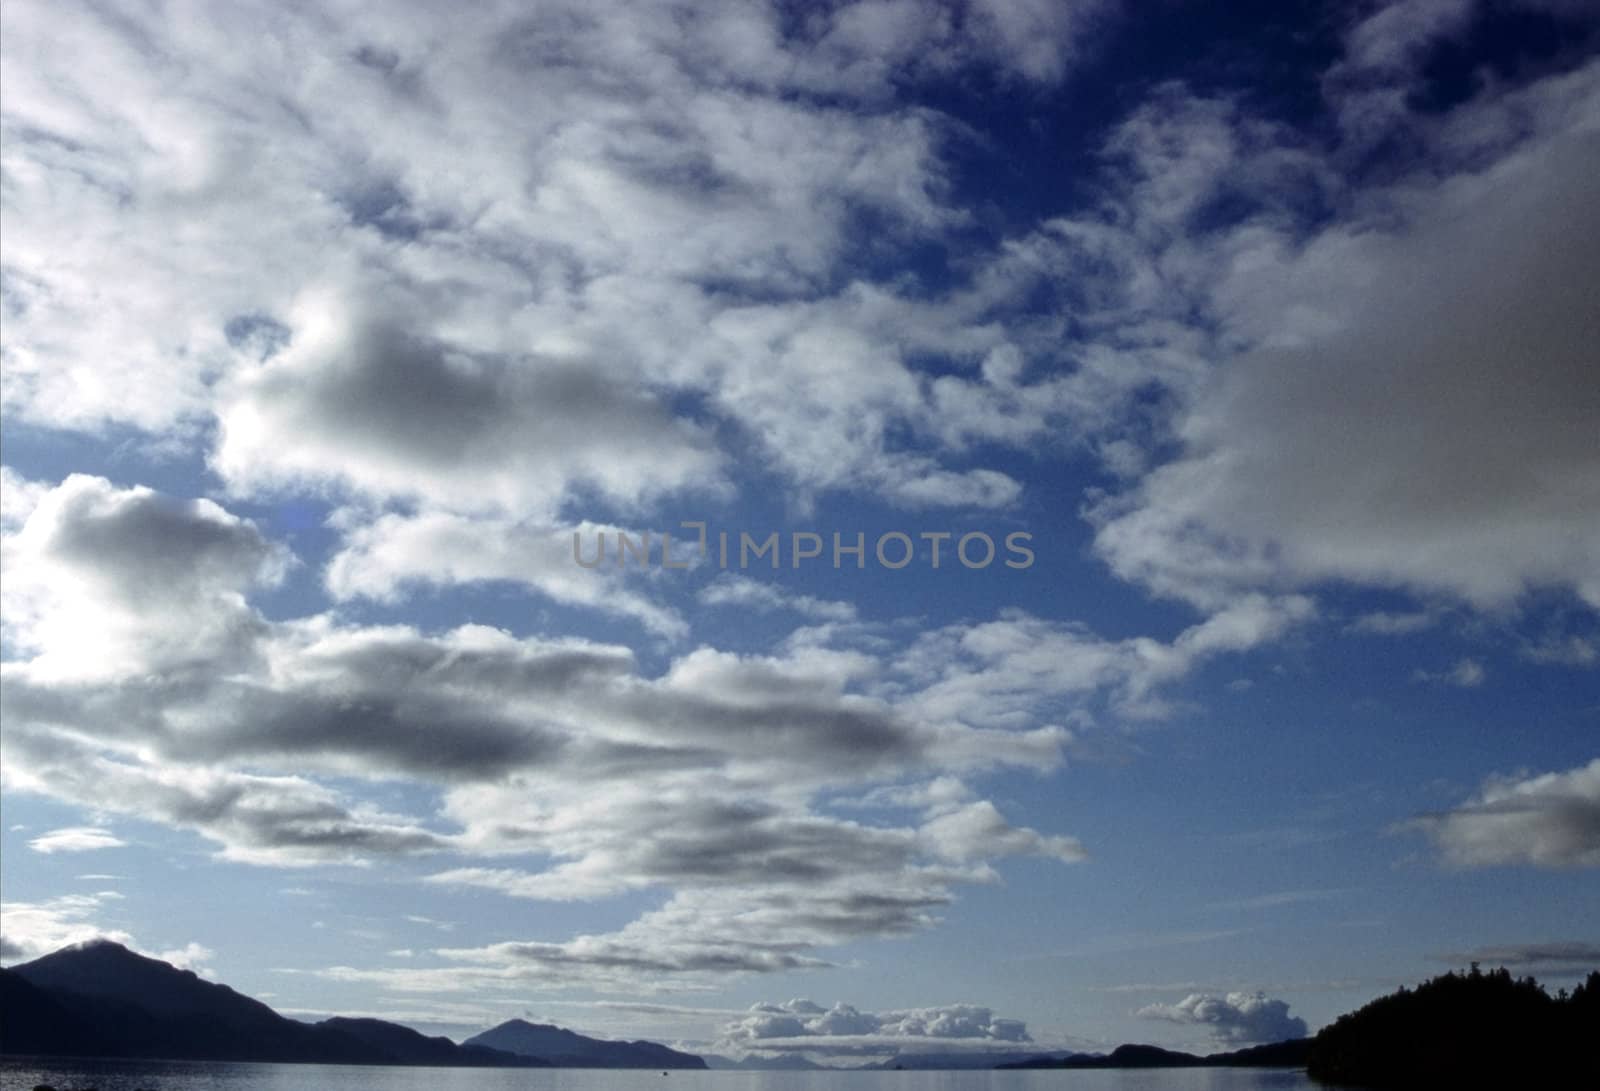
(328, 331)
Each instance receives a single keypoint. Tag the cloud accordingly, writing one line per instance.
(107, 581)
(1274, 900)
(191, 956)
(741, 591)
(803, 1025)
(1559, 958)
(977, 831)
(1466, 674)
(480, 431)
(648, 208)
(1448, 338)
(704, 780)
(29, 930)
(652, 259)
(1548, 820)
(76, 839)
(1393, 624)
(1237, 1018)
(32, 929)
(386, 557)
(18, 498)
(1019, 666)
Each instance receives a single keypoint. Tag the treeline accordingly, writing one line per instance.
(1471, 1029)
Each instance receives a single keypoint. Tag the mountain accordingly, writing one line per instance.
(142, 1007)
(566, 1049)
(100, 999)
(782, 1062)
(1290, 1054)
(35, 1023)
(406, 1046)
(1475, 1029)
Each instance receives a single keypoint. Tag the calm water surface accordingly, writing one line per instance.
(199, 1076)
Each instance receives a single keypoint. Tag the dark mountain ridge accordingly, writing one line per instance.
(1289, 1054)
(567, 1049)
(99, 999)
(1466, 1030)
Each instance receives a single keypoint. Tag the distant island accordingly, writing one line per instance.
(100, 999)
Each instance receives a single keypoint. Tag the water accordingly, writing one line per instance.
(18, 1075)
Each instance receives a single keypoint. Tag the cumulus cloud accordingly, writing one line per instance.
(76, 839)
(393, 411)
(1237, 1018)
(1546, 820)
(105, 581)
(803, 1025)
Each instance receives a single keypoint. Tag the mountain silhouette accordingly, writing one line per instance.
(99, 999)
(36, 1023)
(142, 1007)
(570, 1050)
(1289, 1054)
(406, 1046)
(1468, 1030)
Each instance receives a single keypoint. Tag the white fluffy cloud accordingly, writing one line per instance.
(385, 557)
(805, 1026)
(643, 207)
(1235, 1019)
(31, 929)
(76, 839)
(1546, 820)
(107, 582)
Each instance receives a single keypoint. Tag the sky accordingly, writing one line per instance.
(1157, 448)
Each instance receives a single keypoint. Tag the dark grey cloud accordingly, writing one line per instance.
(1554, 957)
(386, 407)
